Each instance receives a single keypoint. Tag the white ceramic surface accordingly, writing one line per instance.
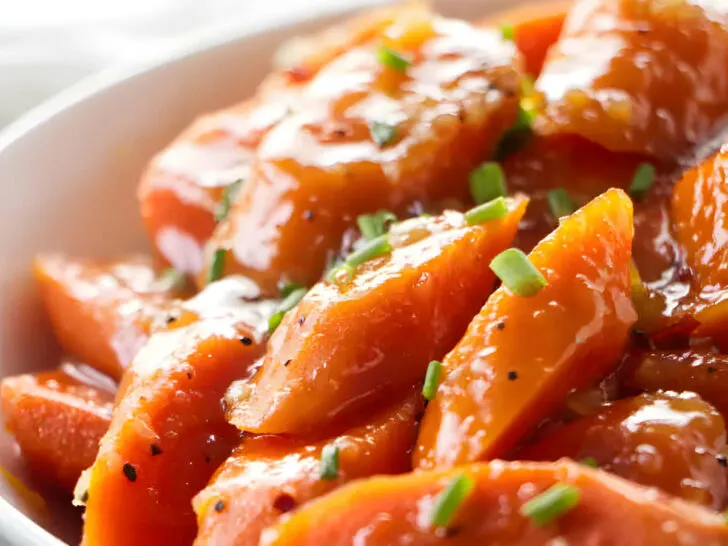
(68, 172)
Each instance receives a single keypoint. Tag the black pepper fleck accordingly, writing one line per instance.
(500, 325)
(722, 460)
(246, 340)
(171, 319)
(220, 506)
(207, 458)
(284, 503)
(512, 376)
(711, 369)
(301, 320)
(156, 450)
(189, 375)
(130, 472)
(308, 214)
(286, 363)
(84, 497)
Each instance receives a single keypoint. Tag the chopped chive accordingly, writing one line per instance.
(432, 378)
(487, 182)
(340, 273)
(217, 265)
(289, 287)
(492, 210)
(383, 133)
(450, 499)
(551, 504)
(517, 272)
(288, 303)
(392, 59)
(376, 247)
(329, 463)
(589, 461)
(560, 202)
(507, 32)
(642, 181)
(228, 196)
(374, 225)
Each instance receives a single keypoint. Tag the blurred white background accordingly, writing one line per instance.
(46, 45)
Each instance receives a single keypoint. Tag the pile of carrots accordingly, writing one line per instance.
(437, 282)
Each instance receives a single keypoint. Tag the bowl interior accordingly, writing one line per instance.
(68, 173)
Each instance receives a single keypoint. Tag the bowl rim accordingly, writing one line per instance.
(15, 527)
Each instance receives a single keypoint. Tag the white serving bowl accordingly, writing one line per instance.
(68, 175)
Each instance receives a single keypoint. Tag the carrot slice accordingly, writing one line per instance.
(608, 76)
(101, 311)
(674, 442)
(702, 372)
(168, 435)
(536, 27)
(399, 510)
(370, 136)
(346, 345)
(521, 356)
(57, 419)
(269, 475)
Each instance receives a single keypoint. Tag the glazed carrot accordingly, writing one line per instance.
(181, 192)
(702, 372)
(521, 356)
(674, 442)
(399, 510)
(350, 343)
(101, 311)
(608, 76)
(371, 133)
(269, 475)
(57, 419)
(168, 435)
(536, 27)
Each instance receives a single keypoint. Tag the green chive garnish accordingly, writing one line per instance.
(589, 461)
(228, 196)
(217, 265)
(289, 287)
(725, 517)
(376, 247)
(374, 225)
(383, 133)
(447, 502)
(329, 463)
(560, 202)
(492, 210)
(517, 272)
(508, 32)
(642, 180)
(551, 504)
(432, 378)
(390, 58)
(288, 303)
(487, 182)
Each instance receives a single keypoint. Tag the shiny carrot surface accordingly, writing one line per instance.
(351, 343)
(394, 511)
(521, 356)
(642, 76)
(368, 136)
(269, 476)
(57, 419)
(676, 442)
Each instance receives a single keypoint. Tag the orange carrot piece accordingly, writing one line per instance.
(674, 442)
(57, 419)
(398, 510)
(642, 76)
(521, 356)
(346, 345)
(270, 475)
